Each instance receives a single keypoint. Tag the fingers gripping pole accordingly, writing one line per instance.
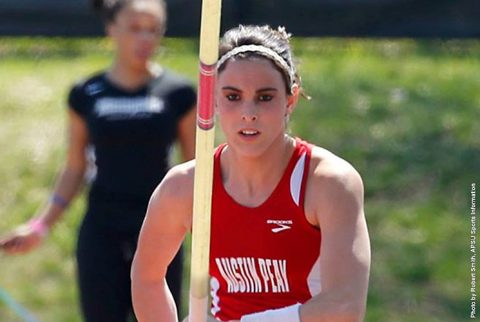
(202, 199)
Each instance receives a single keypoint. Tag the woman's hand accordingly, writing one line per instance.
(22, 240)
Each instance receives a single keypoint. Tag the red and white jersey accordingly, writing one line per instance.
(265, 257)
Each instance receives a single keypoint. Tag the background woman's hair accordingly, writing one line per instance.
(277, 40)
(108, 9)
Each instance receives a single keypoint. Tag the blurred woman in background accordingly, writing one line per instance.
(130, 115)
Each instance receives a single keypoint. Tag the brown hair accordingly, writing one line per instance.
(109, 9)
(277, 40)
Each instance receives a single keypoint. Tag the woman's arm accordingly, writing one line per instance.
(186, 134)
(69, 181)
(166, 223)
(334, 203)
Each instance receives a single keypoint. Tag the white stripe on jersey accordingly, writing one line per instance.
(296, 179)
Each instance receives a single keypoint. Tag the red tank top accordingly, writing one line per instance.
(264, 257)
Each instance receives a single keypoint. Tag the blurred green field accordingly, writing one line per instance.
(405, 113)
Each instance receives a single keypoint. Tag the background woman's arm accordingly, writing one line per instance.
(186, 134)
(69, 181)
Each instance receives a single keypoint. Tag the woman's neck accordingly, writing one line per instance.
(251, 180)
(131, 78)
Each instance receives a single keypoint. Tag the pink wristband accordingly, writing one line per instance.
(38, 226)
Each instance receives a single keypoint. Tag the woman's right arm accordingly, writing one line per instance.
(166, 223)
(70, 179)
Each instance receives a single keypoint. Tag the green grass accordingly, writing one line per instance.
(405, 113)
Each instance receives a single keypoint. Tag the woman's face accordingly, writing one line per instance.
(253, 105)
(136, 31)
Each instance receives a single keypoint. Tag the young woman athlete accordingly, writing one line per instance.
(130, 114)
(289, 239)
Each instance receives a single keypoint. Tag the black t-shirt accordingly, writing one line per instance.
(132, 133)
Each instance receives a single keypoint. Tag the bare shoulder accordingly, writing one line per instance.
(326, 166)
(173, 197)
(332, 182)
(178, 182)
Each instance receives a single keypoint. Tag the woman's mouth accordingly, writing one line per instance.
(249, 133)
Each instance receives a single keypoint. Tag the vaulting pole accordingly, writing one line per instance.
(202, 196)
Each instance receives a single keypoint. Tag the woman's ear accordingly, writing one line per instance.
(292, 99)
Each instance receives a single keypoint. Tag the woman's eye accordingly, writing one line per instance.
(134, 28)
(265, 98)
(155, 31)
(233, 97)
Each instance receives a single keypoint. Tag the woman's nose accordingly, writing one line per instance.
(249, 112)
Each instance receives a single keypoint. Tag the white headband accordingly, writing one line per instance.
(263, 51)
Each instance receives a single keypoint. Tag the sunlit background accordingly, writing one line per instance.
(403, 108)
